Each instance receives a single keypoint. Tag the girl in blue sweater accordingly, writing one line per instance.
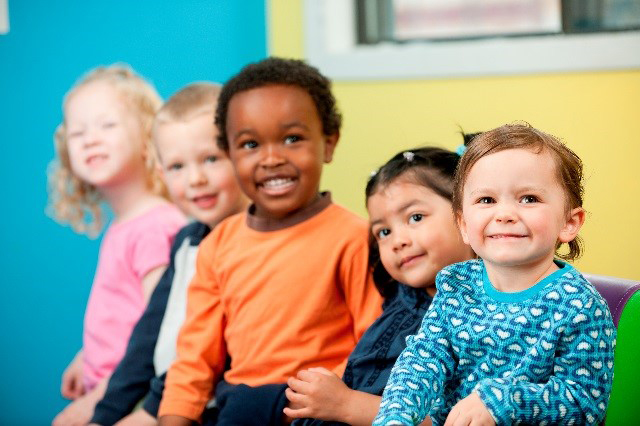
(517, 336)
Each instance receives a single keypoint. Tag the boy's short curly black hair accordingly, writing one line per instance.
(273, 71)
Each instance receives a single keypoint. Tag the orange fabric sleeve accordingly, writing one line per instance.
(361, 295)
(362, 298)
(201, 351)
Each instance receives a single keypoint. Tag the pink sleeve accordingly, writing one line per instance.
(153, 245)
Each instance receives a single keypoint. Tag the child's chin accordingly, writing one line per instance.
(420, 284)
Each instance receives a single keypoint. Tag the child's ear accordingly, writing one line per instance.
(330, 143)
(570, 230)
(462, 225)
(158, 164)
(160, 170)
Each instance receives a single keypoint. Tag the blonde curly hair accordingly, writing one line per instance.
(76, 202)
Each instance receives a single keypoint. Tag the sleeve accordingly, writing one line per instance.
(152, 401)
(201, 350)
(362, 297)
(152, 246)
(130, 380)
(578, 391)
(416, 385)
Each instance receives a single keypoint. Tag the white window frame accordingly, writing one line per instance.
(4, 16)
(330, 43)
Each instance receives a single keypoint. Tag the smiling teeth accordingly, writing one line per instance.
(274, 183)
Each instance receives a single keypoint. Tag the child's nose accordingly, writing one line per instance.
(506, 213)
(91, 137)
(272, 156)
(196, 176)
(401, 239)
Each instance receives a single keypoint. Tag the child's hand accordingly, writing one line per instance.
(80, 411)
(72, 386)
(317, 393)
(470, 411)
(77, 413)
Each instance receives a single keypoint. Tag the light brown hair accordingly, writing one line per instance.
(194, 99)
(191, 101)
(523, 136)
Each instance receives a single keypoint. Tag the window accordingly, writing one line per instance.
(4, 17)
(360, 39)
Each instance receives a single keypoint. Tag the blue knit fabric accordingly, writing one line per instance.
(542, 356)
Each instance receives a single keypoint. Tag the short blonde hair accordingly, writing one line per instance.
(194, 99)
(76, 202)
(191, 101)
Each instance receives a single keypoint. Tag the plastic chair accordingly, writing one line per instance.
(623, 298)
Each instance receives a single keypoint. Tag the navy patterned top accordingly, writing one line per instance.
(370, 363)
(541, 356)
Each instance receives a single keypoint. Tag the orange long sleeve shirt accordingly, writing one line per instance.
(277, 301)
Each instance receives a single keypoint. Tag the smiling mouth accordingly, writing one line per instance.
(205, 201)
(506, 236)
(409, 260)
(278, 185)
(94, 160)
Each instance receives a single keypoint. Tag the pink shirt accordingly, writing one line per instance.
(129, 250)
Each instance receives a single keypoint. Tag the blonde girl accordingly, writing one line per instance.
(104, 156)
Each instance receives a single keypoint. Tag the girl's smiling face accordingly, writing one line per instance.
(416, 233)
(514, 210)
(104, 139)
(278, 148)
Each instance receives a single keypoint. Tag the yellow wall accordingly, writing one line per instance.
(596, 113)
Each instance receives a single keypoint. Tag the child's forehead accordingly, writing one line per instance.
(95, 96)
(522, 157)
(272, 103)
(517, 164)
(94, 89)
(400, 192)
(197, 131)
(198, 121)
(275, 90)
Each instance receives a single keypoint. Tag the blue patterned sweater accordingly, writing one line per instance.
(541, 356)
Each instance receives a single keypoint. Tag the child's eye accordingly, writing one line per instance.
(75, 134)
(251, 144)
(416, 217)
(108, 124)
(175, 167)
(382, 233)
(485, 200)
(292, 139)
(529, 199)
(211, 159)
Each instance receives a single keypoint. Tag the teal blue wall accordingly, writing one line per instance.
(46, 270)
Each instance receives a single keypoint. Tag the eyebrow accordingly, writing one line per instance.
(479, 190)
(527, 188)
(294, 124)
(402, 208)
(284, 126)
(532, 189)
(243, 132)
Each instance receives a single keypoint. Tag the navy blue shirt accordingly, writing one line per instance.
(370, 363)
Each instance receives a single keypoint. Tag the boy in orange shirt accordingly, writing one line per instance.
(284, 286)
